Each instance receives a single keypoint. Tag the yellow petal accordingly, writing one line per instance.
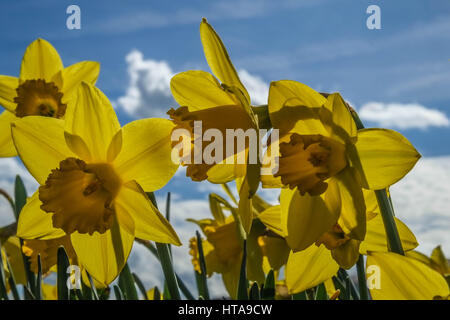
(386, 156)
(40, 144)
(218, 60)
(35, 223)
(353, 213)
(8, 86)
(439, 261)
(146, 153)
(308, 268)
(376, 236)
(198, 90)
(40, 61)
(271, 218)
(149, 222)
(82, 71)
(306, 218)
(295, 107)
(7, 148)
(402, 278)
(92, 117)
(347, 254)
(103, 255)
(343, 125)
(13, 250)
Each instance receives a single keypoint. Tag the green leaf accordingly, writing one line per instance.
(321, 292)
(86, 291)
(12, 281)
(126, 284)
(140, 286)
(216, 209)
(268, 290)
(242, 293)
(300, 296)
(62, 275)
(156, 294)
(38, 293)
(351, 292)
(93, 289)
(20, 195)
(362, 284)
(202, 283)
(254, 292)
(166, 261)
(118, 293)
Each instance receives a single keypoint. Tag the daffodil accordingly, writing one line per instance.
(220, 106)
(12, 253)
(395, 277)
(48, 252)
(92, 175)
(44, 88)
(324, 162)
(223, 250)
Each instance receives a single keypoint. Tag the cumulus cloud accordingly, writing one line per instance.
(403, 116)
(421, 201)
(148, 93)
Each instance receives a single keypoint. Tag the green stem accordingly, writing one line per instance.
(362, 284)
(387, 212)
(169, 274)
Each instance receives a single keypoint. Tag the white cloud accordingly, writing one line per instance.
(403, 116)
(256, 87)
(148, 93)
(421, 200)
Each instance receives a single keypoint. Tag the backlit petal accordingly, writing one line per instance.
(217, 57)
(82, 71)
(149, 222)
(40, 61)
(35, 223)
(8, 86)
(308, 268)
(199, 90)
(386, 156)
(146, 153)
(7, 148)
(103, 255)
(395, 277)
(40, 144)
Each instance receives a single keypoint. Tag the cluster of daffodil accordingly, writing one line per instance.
(97, 181)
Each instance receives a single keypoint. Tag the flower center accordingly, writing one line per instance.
(80, 196)
(220, 119)
(39, 98)
(307, 160)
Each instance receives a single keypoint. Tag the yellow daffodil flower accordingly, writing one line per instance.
(49, 291)
(219, 106)
(395, 277)
(222, 249)
(92, 175)
(48, 251)
(325, 162)
(44, 88)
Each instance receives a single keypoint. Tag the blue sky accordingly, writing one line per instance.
(404, 68)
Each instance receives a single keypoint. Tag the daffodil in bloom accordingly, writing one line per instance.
(223, 250)
(13, 260)
(395, 277)
(219, 106)
(92, 175)
(44, 88)
(324, 162)
(48, 252)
